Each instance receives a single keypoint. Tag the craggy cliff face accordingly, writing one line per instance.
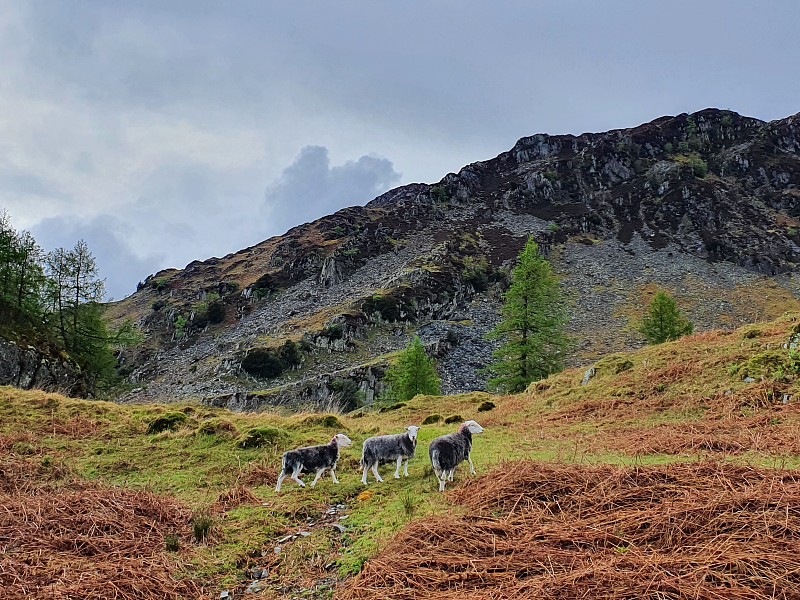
(706, 205)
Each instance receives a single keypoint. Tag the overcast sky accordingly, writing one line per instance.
(167, 131)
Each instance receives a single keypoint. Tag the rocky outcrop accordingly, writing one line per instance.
(343, 390)
(706, 205)
(27, 368)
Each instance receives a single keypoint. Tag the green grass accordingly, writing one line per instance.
(200, 457)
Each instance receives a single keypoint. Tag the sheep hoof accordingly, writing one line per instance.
(396, 476)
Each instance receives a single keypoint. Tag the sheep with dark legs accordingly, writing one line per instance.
(449, 451)
(313, 459)
(387, 448)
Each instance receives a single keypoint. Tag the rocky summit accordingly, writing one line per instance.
(705, 205)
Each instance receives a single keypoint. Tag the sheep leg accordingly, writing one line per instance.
(282, 476)
(397, 470)
(450, 474)
(375, 472)
(442, 482)
(405, 468)
(316, 479)
(333, 476)
(296, 475)
(364, 476)
(471, 466)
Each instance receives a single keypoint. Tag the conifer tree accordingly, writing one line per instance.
(532, 328)
(413, 373)
(663, 321)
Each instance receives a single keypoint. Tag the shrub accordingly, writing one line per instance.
(160, 285)
(430, 419)
(271, 362)
(201, 526)
(264, 285)
(172, 542)
(699, 166)
(180, 327)
(257, 437)
(169, 421)
(486, 405)
(334, 331)
(454, 419)
(216, 312)
(391, 407)
(476, 273)
(385, 306)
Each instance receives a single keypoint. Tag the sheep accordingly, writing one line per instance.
(313, 458)
(386, 448)
(448, 451)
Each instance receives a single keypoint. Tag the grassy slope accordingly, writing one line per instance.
(677, 401)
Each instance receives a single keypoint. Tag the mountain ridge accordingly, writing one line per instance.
(706, 204)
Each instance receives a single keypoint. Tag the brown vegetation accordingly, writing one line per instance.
(84, 540)
(533, 530)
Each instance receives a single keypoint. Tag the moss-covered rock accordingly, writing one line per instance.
(430, 419)
(328, 421)
(257, 437)
(219, 427)
(169, 421)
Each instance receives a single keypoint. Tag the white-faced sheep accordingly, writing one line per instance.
(387, 448)
(313, 459)
(449, 451)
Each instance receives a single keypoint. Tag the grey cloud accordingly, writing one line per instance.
(310, 188)
(117, 263)
(19, 181)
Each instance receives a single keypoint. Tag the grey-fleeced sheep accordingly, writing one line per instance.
(387, 448)
(449, 451)
(313, 459)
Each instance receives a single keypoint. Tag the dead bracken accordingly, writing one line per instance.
(537, 530)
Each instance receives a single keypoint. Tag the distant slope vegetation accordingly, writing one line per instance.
(706, 205)
(672, 473)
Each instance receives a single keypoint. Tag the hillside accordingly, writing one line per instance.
(673, 472)
(706, 205)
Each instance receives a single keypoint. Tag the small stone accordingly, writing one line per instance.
(304, 534)
(226, 595)
(588, 376)
(338, 527)
(278, 549)
(749, 380)
(255, 587)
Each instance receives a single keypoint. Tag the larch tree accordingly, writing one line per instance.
(413, 373)
(533, 326)
(664, 321)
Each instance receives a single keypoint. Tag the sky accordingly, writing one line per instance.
(167, 131)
